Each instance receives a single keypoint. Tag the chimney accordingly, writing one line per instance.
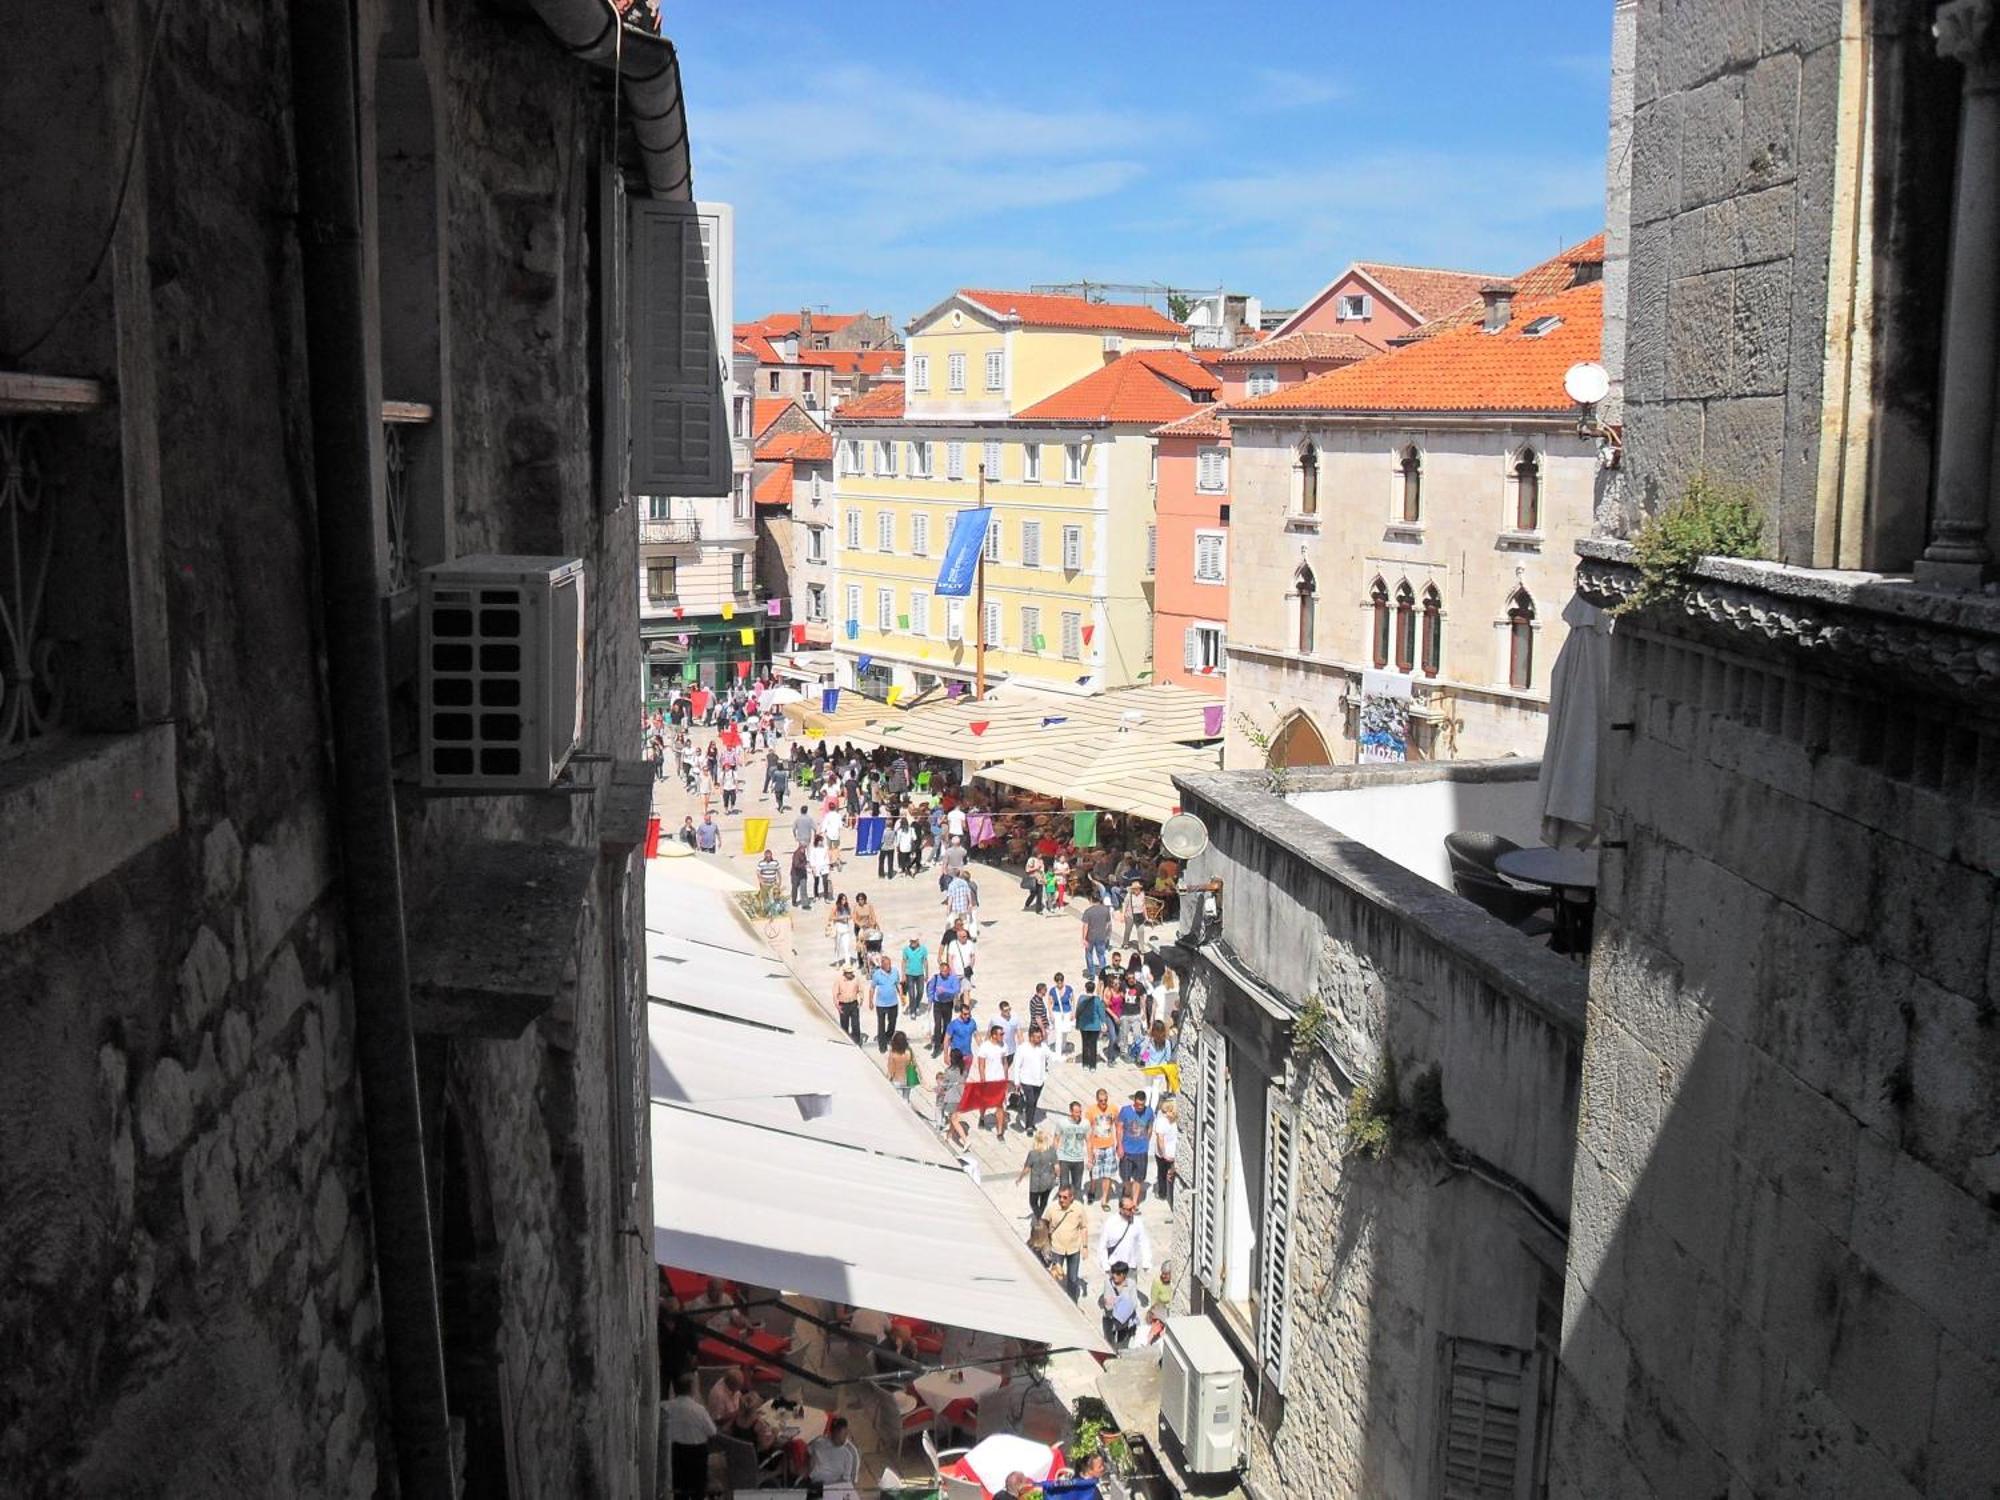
(805, 323)
(1499, 299)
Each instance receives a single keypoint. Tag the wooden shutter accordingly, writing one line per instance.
(1209, 1102)
(1274, 1303)
(992, 624)
(680, 428)
(614, 453)
(1190, 648)
(1031, 544)
(1072, 544)
(1480, 1435)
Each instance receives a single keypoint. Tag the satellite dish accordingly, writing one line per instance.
(1587, 384)
(1184, 835)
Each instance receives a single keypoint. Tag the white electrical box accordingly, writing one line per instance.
(1201, 1395)
(503, 671)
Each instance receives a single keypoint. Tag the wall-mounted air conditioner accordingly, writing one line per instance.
(1113, 343)
(1201, 1396)
(503, 671)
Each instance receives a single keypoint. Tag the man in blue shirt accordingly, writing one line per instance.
(959, 1034)
(945, 990)
(888, 1002)
(1135, 1139)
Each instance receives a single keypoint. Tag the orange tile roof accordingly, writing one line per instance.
(1463, 368)
(1210, 421)
(807, 447)
(1301, 346)
(775, 488)
(883, 401)
(1427, 292)
(1556, 274)
(1148, 385)
(847, 361)
(756, 344)
(1047, 310)
(767, 410)
(783, 324)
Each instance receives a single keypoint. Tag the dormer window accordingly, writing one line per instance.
(1548, 323)
(1354, 307)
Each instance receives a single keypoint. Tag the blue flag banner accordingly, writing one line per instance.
(829, 700)
(1055, 719)
(863, 662)
(868, 835)
(961, 553)
(853, 629)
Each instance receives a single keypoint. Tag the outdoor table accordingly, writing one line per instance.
(989, 1463)
(1571, 875)
(805, 1424)
(941, 1388)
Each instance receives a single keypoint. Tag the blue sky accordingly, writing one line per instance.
(881, 152)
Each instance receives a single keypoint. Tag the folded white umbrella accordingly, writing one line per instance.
(1567, 786)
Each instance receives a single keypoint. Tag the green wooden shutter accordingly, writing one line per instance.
(680, 426)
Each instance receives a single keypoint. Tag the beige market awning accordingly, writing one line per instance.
(1021, 720)
(1125, 772)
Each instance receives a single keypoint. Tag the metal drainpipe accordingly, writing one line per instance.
(325, 120)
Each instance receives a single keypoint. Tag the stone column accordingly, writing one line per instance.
(1969, 31)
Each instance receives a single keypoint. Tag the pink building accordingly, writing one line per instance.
(1381, 303)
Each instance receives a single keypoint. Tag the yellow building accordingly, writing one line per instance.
(1050, 399)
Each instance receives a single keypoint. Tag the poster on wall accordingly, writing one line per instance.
(1385, 716)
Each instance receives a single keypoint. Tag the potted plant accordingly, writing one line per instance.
(1097, 1432)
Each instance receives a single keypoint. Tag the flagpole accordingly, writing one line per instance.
(979, 605)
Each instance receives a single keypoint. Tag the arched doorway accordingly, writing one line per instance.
(1298, 742)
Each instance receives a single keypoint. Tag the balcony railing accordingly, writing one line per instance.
(671, 530)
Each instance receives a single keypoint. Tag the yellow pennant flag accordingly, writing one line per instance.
(894, 694)
(747, 635)
(728, 611)
(923, 651)
(815, 733)
(755, 831)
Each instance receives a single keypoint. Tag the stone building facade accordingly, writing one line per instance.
(1396, 1316)
(223, 1271)
(1784, 1272)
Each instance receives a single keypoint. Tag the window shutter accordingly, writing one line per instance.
(991, 458)
(1210, 1090)
(954, 620)
(1190, 648)
(1072, 544)
(920, 613)
(1481, 1431)
(1031, 626)
(680, 427)
(1031, 544)
(920, 535)
(615, 453)
(1072, 636)
(992, 624)
(1152, 549)
(1274, 1305)
(992, 542)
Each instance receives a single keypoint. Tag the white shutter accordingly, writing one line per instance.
(954, 460)
(885, 531)
(992, 624)
(1031, 544)
(920, 535)
(1274, 1303)
(954, 619)
(1072, 636)
(920, 372)
(854, 602)
(854, 529)
(1221, 649)
(1190, 648)
(1210, 1100)
(679, 422)
(1072, 543)
(992, 542)
(955, 371)
(1481, 1437)
(920, 613)
(885, 609)
(991, 458)
(1152, 549)
(1031, 626)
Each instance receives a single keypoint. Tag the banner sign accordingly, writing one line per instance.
(961, 553)
(1385, 716)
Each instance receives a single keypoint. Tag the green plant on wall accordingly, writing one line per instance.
(1382, 1116)
(1710, 519)
(1279, 779)
(1309, 1025)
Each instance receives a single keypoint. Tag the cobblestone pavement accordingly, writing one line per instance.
(1017, 949)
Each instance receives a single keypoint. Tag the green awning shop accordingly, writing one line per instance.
(714, 648)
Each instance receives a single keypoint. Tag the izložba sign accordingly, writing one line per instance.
(961, 553)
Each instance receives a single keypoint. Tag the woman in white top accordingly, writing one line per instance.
(820, 865)
(840, 922)
(1166, 1144)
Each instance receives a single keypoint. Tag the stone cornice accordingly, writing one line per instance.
(1860, 625)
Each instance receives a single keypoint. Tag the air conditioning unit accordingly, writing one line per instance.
(503, 679)
(1113, 343)
(1201, 1396)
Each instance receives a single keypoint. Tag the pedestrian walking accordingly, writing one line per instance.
(1135, 1145)
(1038, 1167)
(1166, 1146)
(916, 962)
(1103, 1146)
(888, 1002)
(847, 1002)
(1090, 1021)
(946, 991)
(1029, 1068)
(1031, 882)
(1096, 925)
(840, 922)
(820, 859)
(1073, 1146)
(1069, 1232)
(801, 879)
(902, 1065)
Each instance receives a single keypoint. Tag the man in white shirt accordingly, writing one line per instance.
(989, 1062)
(1031, 1071)
(685, 1428)
(1124, 1237)
(832, 1456)
(830, 826)
(955, 820)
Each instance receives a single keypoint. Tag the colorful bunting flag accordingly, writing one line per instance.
(743, 669)
(1084, 680)
(979, 829)
(728, 611)
(1211, 719)
(1041, 642)
(729, 739)
(829, 700)
(923, 777)
(798, 635)
(902, 622)
(1055, 719)
(853, 629)
(1083, 830)
(894, 694)
(815, 733)
(689, 671)
(681, 640)
(774, 607)
(980, 726)
(1145, 674)
(868, 835)
(954, 689)
(747, 636)
(863, 662)
(1088, 632)
(679, 613)
(756, 832)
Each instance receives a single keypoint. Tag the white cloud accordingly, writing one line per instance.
(1282, 88)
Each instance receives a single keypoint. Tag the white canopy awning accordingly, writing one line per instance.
(862, 1205)
(883, 1232)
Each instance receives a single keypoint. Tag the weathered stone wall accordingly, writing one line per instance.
(1388, 1257)
(1784, 1274)
(186, 1273)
